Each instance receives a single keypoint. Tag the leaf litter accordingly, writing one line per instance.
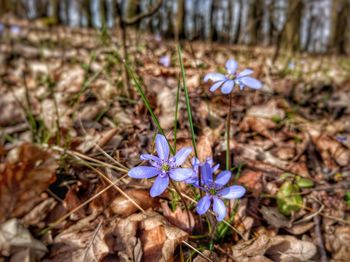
(281, 135)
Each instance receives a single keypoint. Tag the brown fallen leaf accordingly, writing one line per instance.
(17, 242)
(261, 126)
(277, 248)
(81, 243)
(159, 239)
(27, 173)
(338, 243)
(268, 110)
(123, 207)
(205, 144)
(179, 217)
(252, 180)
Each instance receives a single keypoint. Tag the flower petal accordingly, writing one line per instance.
(203, 205)
(216, 167)
(219, 208)
(232, 192)
(251, 82)
(245, 72)
(207, 174)
(149, 157)
(227, 87)
(181, 155)
(193, 180)
(214, 77)
(143, 172)
(195, 161)
(159, 186)
(216, 86)
(180, 174)
(162, 147)
(231, 66)
(223, 178)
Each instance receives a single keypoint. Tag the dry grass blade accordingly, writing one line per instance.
(92, 240)
(82, 205)
(196, 250)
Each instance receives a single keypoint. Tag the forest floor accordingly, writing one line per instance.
(70, 130)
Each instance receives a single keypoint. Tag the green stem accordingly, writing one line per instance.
(184, 202)
(228, 129)
(176, 110)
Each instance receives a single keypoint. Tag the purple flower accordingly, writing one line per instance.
(2, 28)
(165, 60)
(196, 164)
(227, 82)
(341, 139)
(215, 191)
(163, 167)
(15, 30)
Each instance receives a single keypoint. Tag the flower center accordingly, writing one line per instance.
(231, 76)
(165, 167)
(212, 191)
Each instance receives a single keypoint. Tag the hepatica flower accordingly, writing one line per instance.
(196, 164)
(165, 60)
(215, 191)
(232, 78)
(164, 167)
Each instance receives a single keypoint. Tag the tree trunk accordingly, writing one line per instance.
(179, 28)
(340, 25)
(255, 16)
(239, 23)
(291, 33)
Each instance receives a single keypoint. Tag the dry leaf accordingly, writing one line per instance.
(123, 207)
(278, 248)
(289, 248)
(158, 238)
(16, 241)
(30, 171)
(179, 217)
(338, 243)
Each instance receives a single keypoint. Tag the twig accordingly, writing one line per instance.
(92, 240)
(318, 234)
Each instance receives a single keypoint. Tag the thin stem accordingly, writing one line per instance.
(176, 110)
(228, 129)
(183, 201)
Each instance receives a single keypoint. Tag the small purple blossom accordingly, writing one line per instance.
(341, 139)
(215, 191)
(163, 167)
(196, 164)
(165, 60)
(2, 28)
(227, 82)
(15, 30)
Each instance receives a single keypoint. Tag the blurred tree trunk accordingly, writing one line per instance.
(102, 10)
(289, 37)
(55, 13)
(131, 10)
(272, 27)
(229, 22)
(291, 33)
(86, 10)
(255, 16)
(239, 23)
(213, 34)
(340, 25)
(179, 28)
(5, 7)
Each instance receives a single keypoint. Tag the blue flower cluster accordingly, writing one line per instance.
(165, 167)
